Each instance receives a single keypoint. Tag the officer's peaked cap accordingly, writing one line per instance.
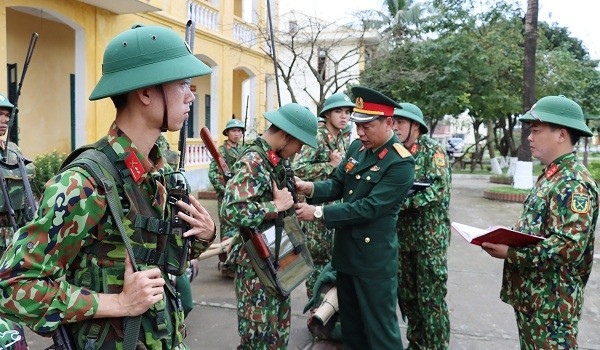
(371, 104)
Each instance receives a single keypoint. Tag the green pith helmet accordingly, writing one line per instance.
(558, 110)
(412, 112)
(297, 121)
(347, 129)
(321, 120)
(5, 103)
(371, 104)
(233, 123)
(145, 56)
(336, 100)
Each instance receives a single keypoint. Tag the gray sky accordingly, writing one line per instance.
(580, 16)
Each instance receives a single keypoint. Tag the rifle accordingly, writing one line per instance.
(31, 207)
(252, 233)
(62, 339)
(180, 190)
(12, 216)
(245, 121)
(13, 112)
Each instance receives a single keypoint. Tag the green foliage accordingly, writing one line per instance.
(46, 167)
(507, 189)
(594, 168)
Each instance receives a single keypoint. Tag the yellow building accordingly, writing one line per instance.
(54, 110)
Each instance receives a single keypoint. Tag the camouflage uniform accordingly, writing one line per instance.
(263, 319)
(313, 165)
(74, 235)
(545, 283)
(423, 237)
(230, 155)
(9, 330)
(17, 194)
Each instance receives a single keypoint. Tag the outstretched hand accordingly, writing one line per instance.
(202, 225)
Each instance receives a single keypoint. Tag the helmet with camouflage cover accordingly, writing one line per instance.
(145, 56)
(296, 120)
(558, 110)
(233, 123)
(412, 112)
(336, 100)
(5, 103)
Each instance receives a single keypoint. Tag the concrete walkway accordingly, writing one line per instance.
(479, 320)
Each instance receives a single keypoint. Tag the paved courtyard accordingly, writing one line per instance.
(479, 320)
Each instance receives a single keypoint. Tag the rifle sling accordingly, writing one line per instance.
(94, 162)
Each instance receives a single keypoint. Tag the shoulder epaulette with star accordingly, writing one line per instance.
(403, 152)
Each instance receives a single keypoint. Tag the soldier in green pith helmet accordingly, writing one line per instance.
(230, 149)
(424, 236)
(257, 197)
(11, 334)
(314, 164)
(110, 207)
(545, 282)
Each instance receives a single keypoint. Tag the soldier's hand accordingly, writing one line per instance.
(335, 158)
(303, 187)
(283, 198)
(305, 212)
(141, 289)
(496, 250)
(202, 225)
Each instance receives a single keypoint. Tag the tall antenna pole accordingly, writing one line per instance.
(273, 51)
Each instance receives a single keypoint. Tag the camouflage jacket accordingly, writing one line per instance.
(424, 218)
(72, 219)
(230, 155)
(551, 276)
(312, 164)
(16, 192)
(248, 200)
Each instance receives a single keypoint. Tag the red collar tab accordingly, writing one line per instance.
(382, 153)
(274, 158)
(551, 171)
(414, 148)
(135, 166)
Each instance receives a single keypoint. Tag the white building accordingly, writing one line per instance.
(320, 58)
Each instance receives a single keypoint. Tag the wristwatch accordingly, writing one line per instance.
(318, 212)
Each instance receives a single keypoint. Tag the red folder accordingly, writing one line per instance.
(500, 235)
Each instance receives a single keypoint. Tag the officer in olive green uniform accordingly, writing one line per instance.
(79, 248)
(424, 235)
(256, 197)
(372, 180)
(315, 164)
(545, 282)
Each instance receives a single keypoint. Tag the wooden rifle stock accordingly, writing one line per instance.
(212, 149)
(255, 236)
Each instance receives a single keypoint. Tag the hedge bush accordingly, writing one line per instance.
(46, 167)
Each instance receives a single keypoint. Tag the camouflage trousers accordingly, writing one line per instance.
(12, 336)
(422, 289)
(263, 319)
(536, 332)
(319, 241)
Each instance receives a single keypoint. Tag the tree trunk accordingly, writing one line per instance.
(523, 179)
(491, 141)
